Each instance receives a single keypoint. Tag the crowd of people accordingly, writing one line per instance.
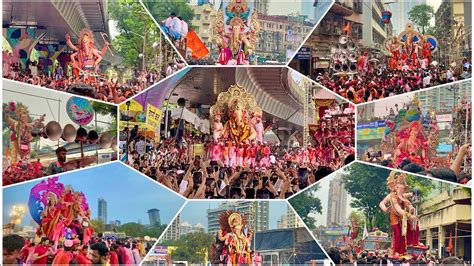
(23, 171)
(381, 82)
(98, 87)
(98, 251)
(454, 173)
(346, 255)
(207, 169)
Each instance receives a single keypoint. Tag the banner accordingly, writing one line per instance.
(198, 150)
(134, 106)
(153, 117)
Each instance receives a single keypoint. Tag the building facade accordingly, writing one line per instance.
(173, 231)
(443, 98)
(102, 208)
(281, 35)
(445, 215)
(373, 33)
(337, 202)
(204, 16)
(154, 216)
(256, 214)
(454, 20)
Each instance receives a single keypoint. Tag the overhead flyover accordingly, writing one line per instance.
(30, 23)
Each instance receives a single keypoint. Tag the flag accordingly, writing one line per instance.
(450, 245)
(194, 43)
(347, 28)
(366, 233)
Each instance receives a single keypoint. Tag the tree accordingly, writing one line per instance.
(367, 187)
(134, 26)
(97, 225)
(421, 15)
(160, 10)
(132, 229)
(193, 247)
(305, 204)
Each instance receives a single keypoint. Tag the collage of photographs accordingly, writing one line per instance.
(237, 132)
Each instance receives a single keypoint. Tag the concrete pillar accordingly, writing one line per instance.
(22, 42)
(429, 238)
(441, 235)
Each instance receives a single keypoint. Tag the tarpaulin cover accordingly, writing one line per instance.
(274, 239)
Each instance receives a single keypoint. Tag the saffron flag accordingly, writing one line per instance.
(450, 244)
(194, 43)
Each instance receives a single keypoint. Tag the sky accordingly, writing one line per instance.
(196, 212)
(38, 106)
(129, 195)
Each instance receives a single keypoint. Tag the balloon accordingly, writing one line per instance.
(80, 110)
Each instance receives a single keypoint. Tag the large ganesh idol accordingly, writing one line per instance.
(410, 49)
(236, 116)
(233, 240)
(86, 56)
(61, 212)
(409, 136)
(236, 33)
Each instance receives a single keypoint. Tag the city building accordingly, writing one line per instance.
(282, 222)
(289, 220)
(173, 231)
(204, 16)
(280, 36)
(293, 220)
(337, 202)
(261, 6)
(102, 215)
(400, 11)
(453, 18)
(447, 214)
(187, 228)
(256, 214)
(443, 98)
(317, 49)
(373, 33)
(154, 216)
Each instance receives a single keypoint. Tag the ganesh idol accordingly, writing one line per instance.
(412, 145)
(401, 213)
(235, 238)
(20, 129)
(236, 37)
(86, 56)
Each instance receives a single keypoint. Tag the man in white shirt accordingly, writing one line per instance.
(140, 147)
(172, 26)
(184, 32)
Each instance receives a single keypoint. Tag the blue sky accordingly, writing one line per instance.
(196, 212)
(128, 194)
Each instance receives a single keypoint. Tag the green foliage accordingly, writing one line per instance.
(305, 204)
(423, 185)
(98, 225)
(367, 187)
(191, 247)
(421, 15)
(161, 9)
(132, 23)
(137, 230)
